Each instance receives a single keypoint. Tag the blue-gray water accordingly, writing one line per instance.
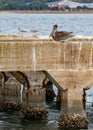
(79, 24)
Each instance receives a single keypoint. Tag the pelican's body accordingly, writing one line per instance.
(60, 35)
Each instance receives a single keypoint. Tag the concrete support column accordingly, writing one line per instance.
(64, 96)
(71, 100)
(72, 112)
(35, 96)
(34, 103)
(75, 95)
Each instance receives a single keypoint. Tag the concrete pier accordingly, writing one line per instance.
(68, 64)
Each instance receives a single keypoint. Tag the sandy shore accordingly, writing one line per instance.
(44, 12)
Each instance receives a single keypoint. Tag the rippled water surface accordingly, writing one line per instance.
(79, 24)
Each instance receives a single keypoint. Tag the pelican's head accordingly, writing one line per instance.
(54, 30)
(55, 26)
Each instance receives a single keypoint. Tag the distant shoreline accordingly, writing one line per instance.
(44, 12)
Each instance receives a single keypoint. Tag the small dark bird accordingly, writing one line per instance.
(34, 31)
(60, 35)
(22, 31)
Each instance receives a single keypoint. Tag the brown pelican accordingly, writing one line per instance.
(59, 35)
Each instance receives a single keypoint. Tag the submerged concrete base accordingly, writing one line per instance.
(33, 112)
(75, 121)
(26, 111)
(7, 105)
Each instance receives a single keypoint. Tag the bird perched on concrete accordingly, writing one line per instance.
(22, 31)
(60, 35)
(34, 31)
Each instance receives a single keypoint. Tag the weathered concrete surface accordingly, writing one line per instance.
(69, 63)
(26, 53)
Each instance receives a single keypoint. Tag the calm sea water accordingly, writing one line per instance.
(79, 24)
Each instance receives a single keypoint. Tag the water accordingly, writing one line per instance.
(79, 24)
(21, 92)
(89, 102)
(89, 107)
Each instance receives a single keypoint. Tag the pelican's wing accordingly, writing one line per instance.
(62, 35)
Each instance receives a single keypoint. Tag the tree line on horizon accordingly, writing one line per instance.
(29, 4)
